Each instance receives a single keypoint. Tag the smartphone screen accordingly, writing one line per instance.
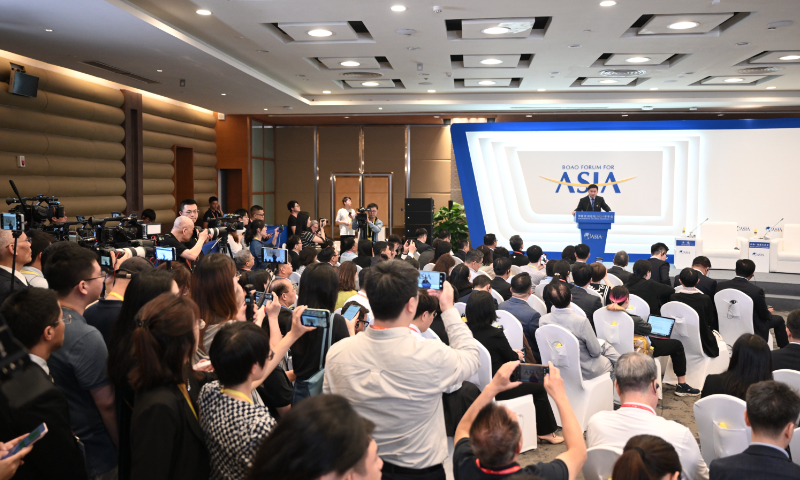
(32, 437)
(351, 312)
(544, 259)
(531, 373)
(313, 317)
(114, 214)
(9, 222)
(262, 298)
(166, 254)
(431, 280)
(273, 255)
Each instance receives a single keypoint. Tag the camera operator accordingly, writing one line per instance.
(181, 238)
(148, 216)
(373, 222)
(33, 269)
(344, 219)
(214, 211)
(23, 253)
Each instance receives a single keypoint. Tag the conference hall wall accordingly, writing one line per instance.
(659, 177)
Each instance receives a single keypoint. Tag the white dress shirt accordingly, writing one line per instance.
(536, 275)
(396, 381)
(475, 273)
(616, 428)
(34, 277)
(343, 215)
(41, 362)
(20, 276)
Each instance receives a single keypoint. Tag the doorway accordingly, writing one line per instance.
(364, 189)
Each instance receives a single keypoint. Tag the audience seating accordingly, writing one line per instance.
(640, 307)
(735, 319)
(789, 377)
(461, 307)
(537, 304)
(720, 242)
(717, 441)
(428, 267)
(484, 374)
(497, 297)
(614, 280)
(784, 253)
(525, 410)
(558, 345)
(687, 330)
(295, 278)
(431, 335)
(577, 310)
(539, 290)
(600, 462)
(512, 329)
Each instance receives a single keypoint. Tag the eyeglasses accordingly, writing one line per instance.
(67, 319)
(192, 211)
(94, 278)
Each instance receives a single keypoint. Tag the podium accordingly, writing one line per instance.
(686, 251)
(594, 228)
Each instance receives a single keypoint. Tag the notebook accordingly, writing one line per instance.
(662, 326)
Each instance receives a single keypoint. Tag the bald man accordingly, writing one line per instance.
(23, 253)
(180, 235)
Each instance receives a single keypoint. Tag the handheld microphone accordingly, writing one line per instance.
(695, 228)
(769, 229)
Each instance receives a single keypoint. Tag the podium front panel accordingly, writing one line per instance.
(759, 254)
(685, 252)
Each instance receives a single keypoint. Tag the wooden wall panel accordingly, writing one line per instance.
(233, 154)
(431, 152)
(385, 152)
(339, 152)
(294, 172)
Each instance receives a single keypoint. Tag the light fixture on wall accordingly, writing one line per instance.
(495, 30)
(326, 91)
(398, 8)
(637, 59)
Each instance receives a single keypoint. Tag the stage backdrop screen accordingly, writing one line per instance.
(658, 177)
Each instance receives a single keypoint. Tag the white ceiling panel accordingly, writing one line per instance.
(515, 28)
(474, 61)
(497, 82)
(733, 80)
(608, 82)
(340, 31)
(370, 84)
(621, 59)
(335, 63)
(659, 24)
(775, 57)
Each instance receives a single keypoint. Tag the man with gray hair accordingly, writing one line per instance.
(620, 262)
(244, 260)
(181, 236)
(474, 260)
(7, 253)
(637, 385)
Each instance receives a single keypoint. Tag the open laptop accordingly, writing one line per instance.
(662, 326)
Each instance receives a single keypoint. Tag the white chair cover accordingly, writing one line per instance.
(512, 328)
(717, 440)
(613, 280)
(615, 328)
(735, 312)
(687, 330)
(577, 309)
(640, 307)
(600, 462)
(497, 297)
(525, 410)
(537, 304)
(484, 374)
(791, 378)
(461, 307)
(794, 446)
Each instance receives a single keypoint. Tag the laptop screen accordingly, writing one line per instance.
(662, 326)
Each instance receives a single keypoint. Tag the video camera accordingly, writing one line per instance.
(219, 227)
(37, 212)
(361, 223)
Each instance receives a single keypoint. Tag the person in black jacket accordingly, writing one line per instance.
(763, 317)
(658, 260)
(422, 238)
(772, 410)
(364, 258)
(588, 301)
(462, 247)
(23, 256)
(518, 256)
(620, 262)
(750, 363)
(702, 304)
(294, 245)
(705, 283)
(591, 202)
(654, 293)
(788, 357)
(502, 268)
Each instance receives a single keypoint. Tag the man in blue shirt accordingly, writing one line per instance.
(517, 305)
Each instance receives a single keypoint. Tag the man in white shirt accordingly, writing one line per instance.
(344, 219)
(474, 260)
(396, 381)
(349, 249)
(637, 386)
(536, 266)
(33, 269)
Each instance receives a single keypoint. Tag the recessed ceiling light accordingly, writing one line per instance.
(326, 91)
(398, 8)
(637, 59)
(734, 80)
(224, 94)
(654, 88)
(349, 63)
(791, 57)
(491, 61)
(625, 115)
(436, 116)
(380, 108)
(608, 3)
(529, 116)
(266, 109)
(431, 91)
(204, 12)
(346, 117)
(159, 71)
(319, 32)
(683, 25)
(495, 30)
(541, 90)
(48, 29)
(771, 88)
(486, 82)
(575, 46)
(607, 81)
(370, 84)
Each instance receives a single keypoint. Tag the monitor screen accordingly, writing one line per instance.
(662, 326)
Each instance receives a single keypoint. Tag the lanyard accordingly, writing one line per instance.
(185, 393)
(28, 271)
(238, 395)
(115, 294)
(379, 328)
(640, 407)
(507, 471)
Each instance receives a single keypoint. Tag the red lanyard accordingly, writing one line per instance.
(507, 471)
(640, 407)
(379, 328)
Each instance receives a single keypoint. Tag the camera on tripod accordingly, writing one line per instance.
(219, 227)
(361, 223)
(38, 211)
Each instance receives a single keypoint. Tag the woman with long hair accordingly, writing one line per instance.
(459, 279)
(348, 273)
(143, 288)
(647, 457)
(303, 229)
(442, 248)
(308, 256)
(445, 264)
(487, 266)
(751, 362)
(256, 237)
(481, 314)
(364, 258)
(181, 274)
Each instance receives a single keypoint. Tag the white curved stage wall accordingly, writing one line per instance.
(659, 177)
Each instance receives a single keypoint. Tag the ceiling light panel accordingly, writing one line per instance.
(476, 82)
(335, 63)
(745, 80)
(508, 61)
(299, 32)
(791, 56)
(706, 22)
(371, 84)
(601, 82)
(514, 28)
(618, 59)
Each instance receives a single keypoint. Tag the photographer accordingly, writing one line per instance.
(181, 238)
(214, 211)
(33, 269)
(373, 222)
(7, 252)
(344, 219)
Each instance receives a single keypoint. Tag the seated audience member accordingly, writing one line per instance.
(7, 252)
(502, 270)
(619, 301)
(750, 363)
(789, 356)
(659, 264)
(284, 291)
(490, 241)
(148, 216)
(459, 279)
(653, 293)
(441, 249)
(259, 279)
(325, 439)
(79, 366)
(595, 359)
(166, 439)
(518, 255)
(462, 247)
(445, 264)
(361, 318)
(377, 369)
(581, 294)
(318, 289)
(488, 260)
(763, 317)
(481, 284)
(620, 262)
(144, 287)
(772, 411)
(182, 276)
(328, 255)
(421, 236)
(474, 261)
(517, 305)
(32, 271)
(489, 438)
(308, 256)
(348, 275)
(232, 417)
(182, 235)
(647, 457)
(535, 268)
(245, 261)
(307, 234)
(705, 283)
(568, 254)
(103, 314)
(294, 245)
(561, 274)
(582, 253)
(702, 304)
(637, 386)
(444, 235)
(284, 271)
(548, 271)
(361, 296)
(481, 315)
(598, 283)
(349, 249)
(36, 320)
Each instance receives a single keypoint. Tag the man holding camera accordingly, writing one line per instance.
(374, 224)
(344, 219)
(181, 238)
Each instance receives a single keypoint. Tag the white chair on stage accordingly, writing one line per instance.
(600, 462)
(497, 297)
(784, 253)
(512, 329)
(613, 280)
(789, 377)
(539, 290)
(640, 307)
(735, 313)
(794, 446)
(687, 330)
(525, 411)
(428, 267)
(577, 310)
(720, 242)
(721, 427)
(461, 307)
(537, 304)
(558, 345)
(484, 374)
